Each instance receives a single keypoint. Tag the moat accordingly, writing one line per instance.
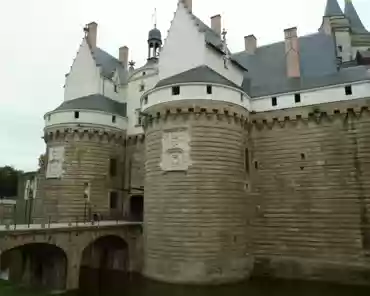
(118, 284)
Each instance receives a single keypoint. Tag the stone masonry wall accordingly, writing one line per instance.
(196, 219)
(87, 160)
(311, 188)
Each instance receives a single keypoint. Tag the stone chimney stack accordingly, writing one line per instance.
(188, 4)
(123, 56)
(292, 53)
(92, 34)
(216, 24)
(250, 44)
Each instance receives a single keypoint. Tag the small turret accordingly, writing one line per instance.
(356, 24)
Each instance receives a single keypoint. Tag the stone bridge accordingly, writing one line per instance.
(52, 256)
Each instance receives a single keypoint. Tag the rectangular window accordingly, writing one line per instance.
(274, 101)
(114, 119)
(138, 117)
(115, 88)
(297, 98)
(209, 89)
(340, 48)
(77, 114)
(175, 90)
(86, 191)
(246, 160)
(145, 100)
(142, 87)
(113, 200)
(348, 90)
(113, 167)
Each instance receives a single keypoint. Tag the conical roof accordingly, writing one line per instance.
(332, 8)
(351, 13)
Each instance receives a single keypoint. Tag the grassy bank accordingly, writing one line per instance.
(8, 289)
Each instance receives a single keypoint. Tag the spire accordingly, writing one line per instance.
(332, 8)
(351, 13)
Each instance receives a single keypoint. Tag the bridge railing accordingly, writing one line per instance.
(27, 214)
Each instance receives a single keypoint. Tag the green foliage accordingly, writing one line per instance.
(9, 181)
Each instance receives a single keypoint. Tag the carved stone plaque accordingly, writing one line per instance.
(55, 162)
(175, 150)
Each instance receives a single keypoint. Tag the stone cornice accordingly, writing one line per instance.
(84, 134)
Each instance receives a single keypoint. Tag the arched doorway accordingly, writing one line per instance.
(137, 208)
(105, 263)
(38, 265)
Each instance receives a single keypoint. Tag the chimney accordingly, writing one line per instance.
(189, 4)
(250, 44)
(92, 34)
(292, 53)
(123, 56)
(216, 24)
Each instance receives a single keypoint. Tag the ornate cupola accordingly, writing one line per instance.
(154, 41)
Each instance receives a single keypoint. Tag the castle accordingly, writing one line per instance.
(257, 159)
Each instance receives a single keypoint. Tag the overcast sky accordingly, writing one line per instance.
(40, 38)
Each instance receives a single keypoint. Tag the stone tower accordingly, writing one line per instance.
(196, 204)
(84, 169)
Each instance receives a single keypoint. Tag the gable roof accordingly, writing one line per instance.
(332, 8)
(96, 102)
(211, 37)
(267, 67)
(109, 64)
(202, 74)
(356, 24)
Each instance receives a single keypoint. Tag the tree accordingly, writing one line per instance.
(9, 181)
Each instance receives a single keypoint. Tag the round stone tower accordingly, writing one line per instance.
(196, 202)
(84, 163)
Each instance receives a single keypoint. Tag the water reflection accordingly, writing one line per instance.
(108, 283)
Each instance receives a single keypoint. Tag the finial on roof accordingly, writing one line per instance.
(154, 18)
(356, 24)
(226, 56)
(333, 8)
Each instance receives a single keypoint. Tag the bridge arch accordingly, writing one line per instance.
(102, 261)
(36, 264)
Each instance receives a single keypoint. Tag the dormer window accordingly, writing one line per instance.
(176, 90)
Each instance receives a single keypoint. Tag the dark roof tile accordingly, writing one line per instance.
(95, 102)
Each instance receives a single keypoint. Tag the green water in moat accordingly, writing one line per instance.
(118, 285)
(112, 284)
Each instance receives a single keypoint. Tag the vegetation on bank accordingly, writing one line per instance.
(9, 181)
(8, 289)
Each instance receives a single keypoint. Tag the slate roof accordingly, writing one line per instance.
(95, 102)
(109, 64)
(212, 38)
(198, 74)
(332, 8)
(356, 23)
(267, 67)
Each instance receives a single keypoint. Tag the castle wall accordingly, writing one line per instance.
(86, 160)
(197, 209)
(311, 189)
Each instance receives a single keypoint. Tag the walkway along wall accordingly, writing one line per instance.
(311, 188)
